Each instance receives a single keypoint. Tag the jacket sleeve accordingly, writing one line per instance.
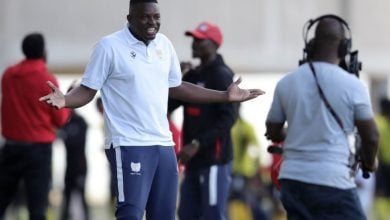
(227, 112)
(173, 104)
(60, 116)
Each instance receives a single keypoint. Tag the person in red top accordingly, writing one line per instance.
(29, 128)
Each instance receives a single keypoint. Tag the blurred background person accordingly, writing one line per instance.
(74, 136)
(382, 200)
(207, 146)
(176, 136)
(29, 128)
(185, 66)
(247, 185)
(99, 105)
(112, 197)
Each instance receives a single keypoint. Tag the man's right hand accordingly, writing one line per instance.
(188, 151)
(55, 99)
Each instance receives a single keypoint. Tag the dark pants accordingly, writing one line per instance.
(74, 184)
(30, 163)
(304, 201)
(146, 179)
(204, 193)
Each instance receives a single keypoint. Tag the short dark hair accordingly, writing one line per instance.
(133, 2)
(33, 46)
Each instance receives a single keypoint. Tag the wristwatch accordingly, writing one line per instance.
(195, 143)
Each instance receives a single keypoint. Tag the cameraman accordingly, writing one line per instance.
(316, 178)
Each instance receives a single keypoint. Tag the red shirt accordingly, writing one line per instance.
(23, 116)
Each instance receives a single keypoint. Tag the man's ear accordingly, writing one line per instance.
(129, 18)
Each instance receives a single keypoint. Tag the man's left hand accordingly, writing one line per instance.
(236, 94)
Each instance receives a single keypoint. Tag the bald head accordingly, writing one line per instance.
(330, 30)
(329, 35)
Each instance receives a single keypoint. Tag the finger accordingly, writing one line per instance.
(253, 93)
(256, 92)
(52, 86)
(44, 98)
(238, 81)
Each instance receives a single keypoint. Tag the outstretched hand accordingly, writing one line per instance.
(236, 94)
(55, 99)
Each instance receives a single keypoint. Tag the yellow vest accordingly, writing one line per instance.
(245, 162)
(383, 124)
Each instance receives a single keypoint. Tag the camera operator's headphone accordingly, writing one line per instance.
(345, 44)
(344, 48)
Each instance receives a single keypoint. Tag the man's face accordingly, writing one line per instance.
(145, 20)
(202, 47)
